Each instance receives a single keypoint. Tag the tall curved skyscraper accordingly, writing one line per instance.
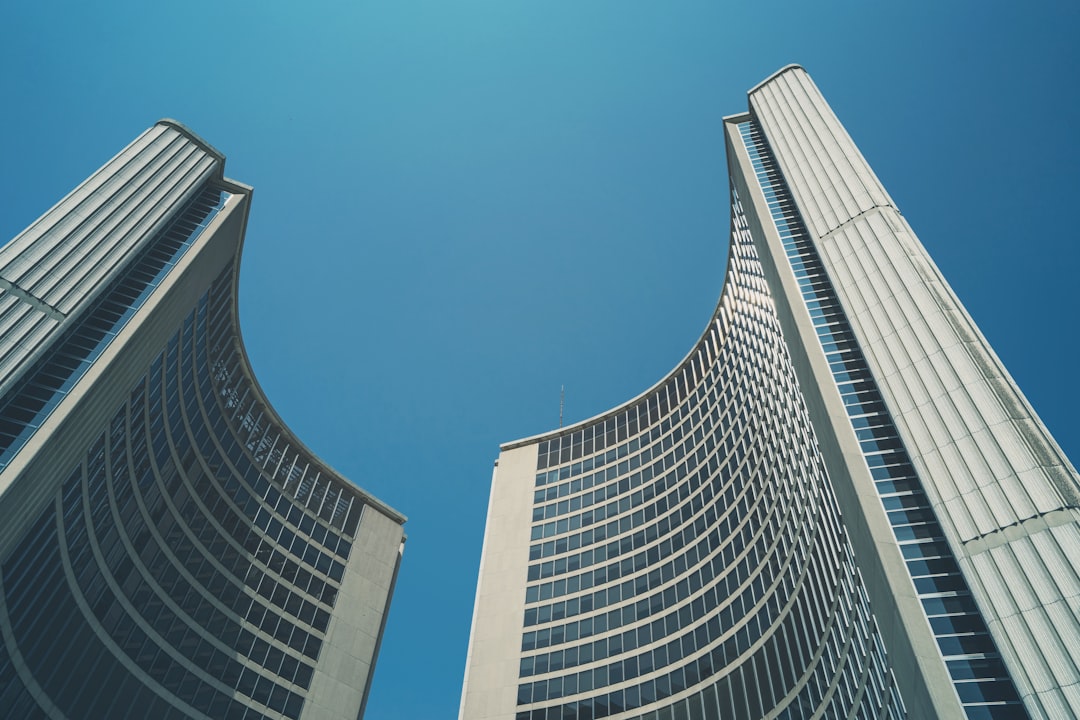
(839, 505)
(168, 548)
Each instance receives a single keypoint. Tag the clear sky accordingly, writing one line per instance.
(461, 206)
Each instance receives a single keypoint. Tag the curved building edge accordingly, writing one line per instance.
(201, 559)
(787, 68)
(713, 493)
(243, 188)
(194, 137)
(615, 410)
(253, 382)
(957, 527)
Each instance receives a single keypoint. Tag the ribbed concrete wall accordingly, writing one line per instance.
(1000, 485)
(59, 263)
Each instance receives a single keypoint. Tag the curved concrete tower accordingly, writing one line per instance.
(838, 505)
(168, 548)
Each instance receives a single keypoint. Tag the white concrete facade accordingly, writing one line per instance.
(156, 515)
(1001, 487)
(960, 511)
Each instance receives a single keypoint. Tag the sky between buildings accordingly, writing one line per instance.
(462, 206)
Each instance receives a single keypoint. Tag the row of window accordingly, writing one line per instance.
(214, 355)
(85, 555)
(675, 523)
(208, 501)
(199, 594)
(155, 539)
(629, 567)
(605, 433)
(677, 422)
(283, 470)
(721, 604)
(750, 457)
(700, 480)
(67, 659)
(174, 652)
(188, 532)
(722, 405)
(750, 595)
(962, 638)
(759, 682)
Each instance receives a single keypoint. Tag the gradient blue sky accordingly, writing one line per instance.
(460, 207)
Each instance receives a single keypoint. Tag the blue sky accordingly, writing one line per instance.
(460, 207)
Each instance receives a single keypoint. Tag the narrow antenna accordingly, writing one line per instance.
(562, 402)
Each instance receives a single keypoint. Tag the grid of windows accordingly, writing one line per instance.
(140, 570)
(981, 680)
(299, 492)
(712, 549)
(189, 565)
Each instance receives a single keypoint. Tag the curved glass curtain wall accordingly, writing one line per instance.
(689, 547)
(189, 564)
(978, 673)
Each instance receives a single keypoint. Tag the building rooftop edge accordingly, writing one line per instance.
(350, 485)
(539, 437)
(248, 191)
(558, 432)
(567, 429)
(778, 73)
(531, 439)
(193, 137)
(237, 186)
